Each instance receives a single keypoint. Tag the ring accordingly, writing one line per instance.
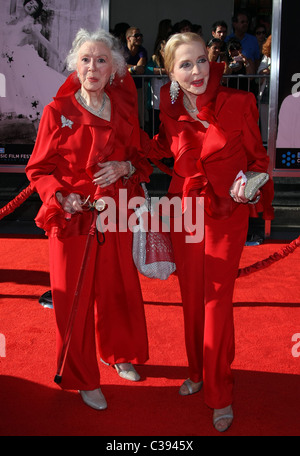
(107, 180)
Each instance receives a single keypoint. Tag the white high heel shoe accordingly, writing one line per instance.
(128, 372)
(94, 399)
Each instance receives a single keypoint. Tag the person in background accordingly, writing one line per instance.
(185, 26)
(197, 28)
(156, 67)
(212, 133)
(249, 43)
(261, 34)
(164, 31)
(135, 53)
(266, 22)
(119, 32)
(214, 49)
(87, 149)
(237, 64)
(219, 30)
(136, 58)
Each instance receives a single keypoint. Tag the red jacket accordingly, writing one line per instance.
(70, 143)
(206, 161)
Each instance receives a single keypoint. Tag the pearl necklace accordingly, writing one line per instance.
(188, 110)
(97, 112)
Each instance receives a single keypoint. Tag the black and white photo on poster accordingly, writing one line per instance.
(35, 37)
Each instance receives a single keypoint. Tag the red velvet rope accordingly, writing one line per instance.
(276, 256)
(16, 202)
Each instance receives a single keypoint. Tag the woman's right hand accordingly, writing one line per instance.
(71, 203)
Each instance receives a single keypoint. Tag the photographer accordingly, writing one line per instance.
(238, 64)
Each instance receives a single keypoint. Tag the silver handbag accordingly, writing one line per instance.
(255, 181)
(152, 251)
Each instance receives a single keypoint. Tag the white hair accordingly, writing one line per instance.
(111, 42)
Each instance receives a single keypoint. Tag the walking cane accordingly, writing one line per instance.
(98, 206)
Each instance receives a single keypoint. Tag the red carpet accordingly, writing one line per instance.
(267, 375)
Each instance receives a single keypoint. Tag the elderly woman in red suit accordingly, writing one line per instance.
(212, 133)
(88, 147)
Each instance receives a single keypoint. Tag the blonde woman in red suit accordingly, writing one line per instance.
(212, 133)
(88, 145)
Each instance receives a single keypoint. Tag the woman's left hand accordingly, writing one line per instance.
(237, 193)
(110, 172)
(237, 190)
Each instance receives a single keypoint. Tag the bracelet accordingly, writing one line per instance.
(131, 170)
(132, 70)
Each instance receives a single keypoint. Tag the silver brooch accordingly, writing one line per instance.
(66, 122)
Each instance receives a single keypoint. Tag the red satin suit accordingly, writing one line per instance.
(206, 162)
(70, 143)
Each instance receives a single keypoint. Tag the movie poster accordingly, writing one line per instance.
(288, 133)
(35, 37)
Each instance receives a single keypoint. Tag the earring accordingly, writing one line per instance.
(111, 79)
(174, 91)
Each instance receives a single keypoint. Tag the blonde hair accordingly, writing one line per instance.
(266, 48)
(173, 44)
(104, 37)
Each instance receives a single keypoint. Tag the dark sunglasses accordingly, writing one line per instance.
(137, 35)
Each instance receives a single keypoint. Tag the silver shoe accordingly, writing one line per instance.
(128, 374)
(94, 399)
(189, 387)
(227, 416)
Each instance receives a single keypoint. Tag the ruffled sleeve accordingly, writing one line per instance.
(40, 171)
(43, 161)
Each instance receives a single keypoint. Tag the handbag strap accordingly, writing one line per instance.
(147, 197)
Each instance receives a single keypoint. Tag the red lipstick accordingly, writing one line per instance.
(198, 83)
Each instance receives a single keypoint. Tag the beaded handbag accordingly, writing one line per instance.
(152, 251)
(255, 181)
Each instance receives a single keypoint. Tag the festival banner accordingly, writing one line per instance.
(35, 38)
(284, 112)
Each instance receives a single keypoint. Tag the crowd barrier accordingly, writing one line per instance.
(257, 84)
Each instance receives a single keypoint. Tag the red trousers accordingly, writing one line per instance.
(110, 313)
(207, 271)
